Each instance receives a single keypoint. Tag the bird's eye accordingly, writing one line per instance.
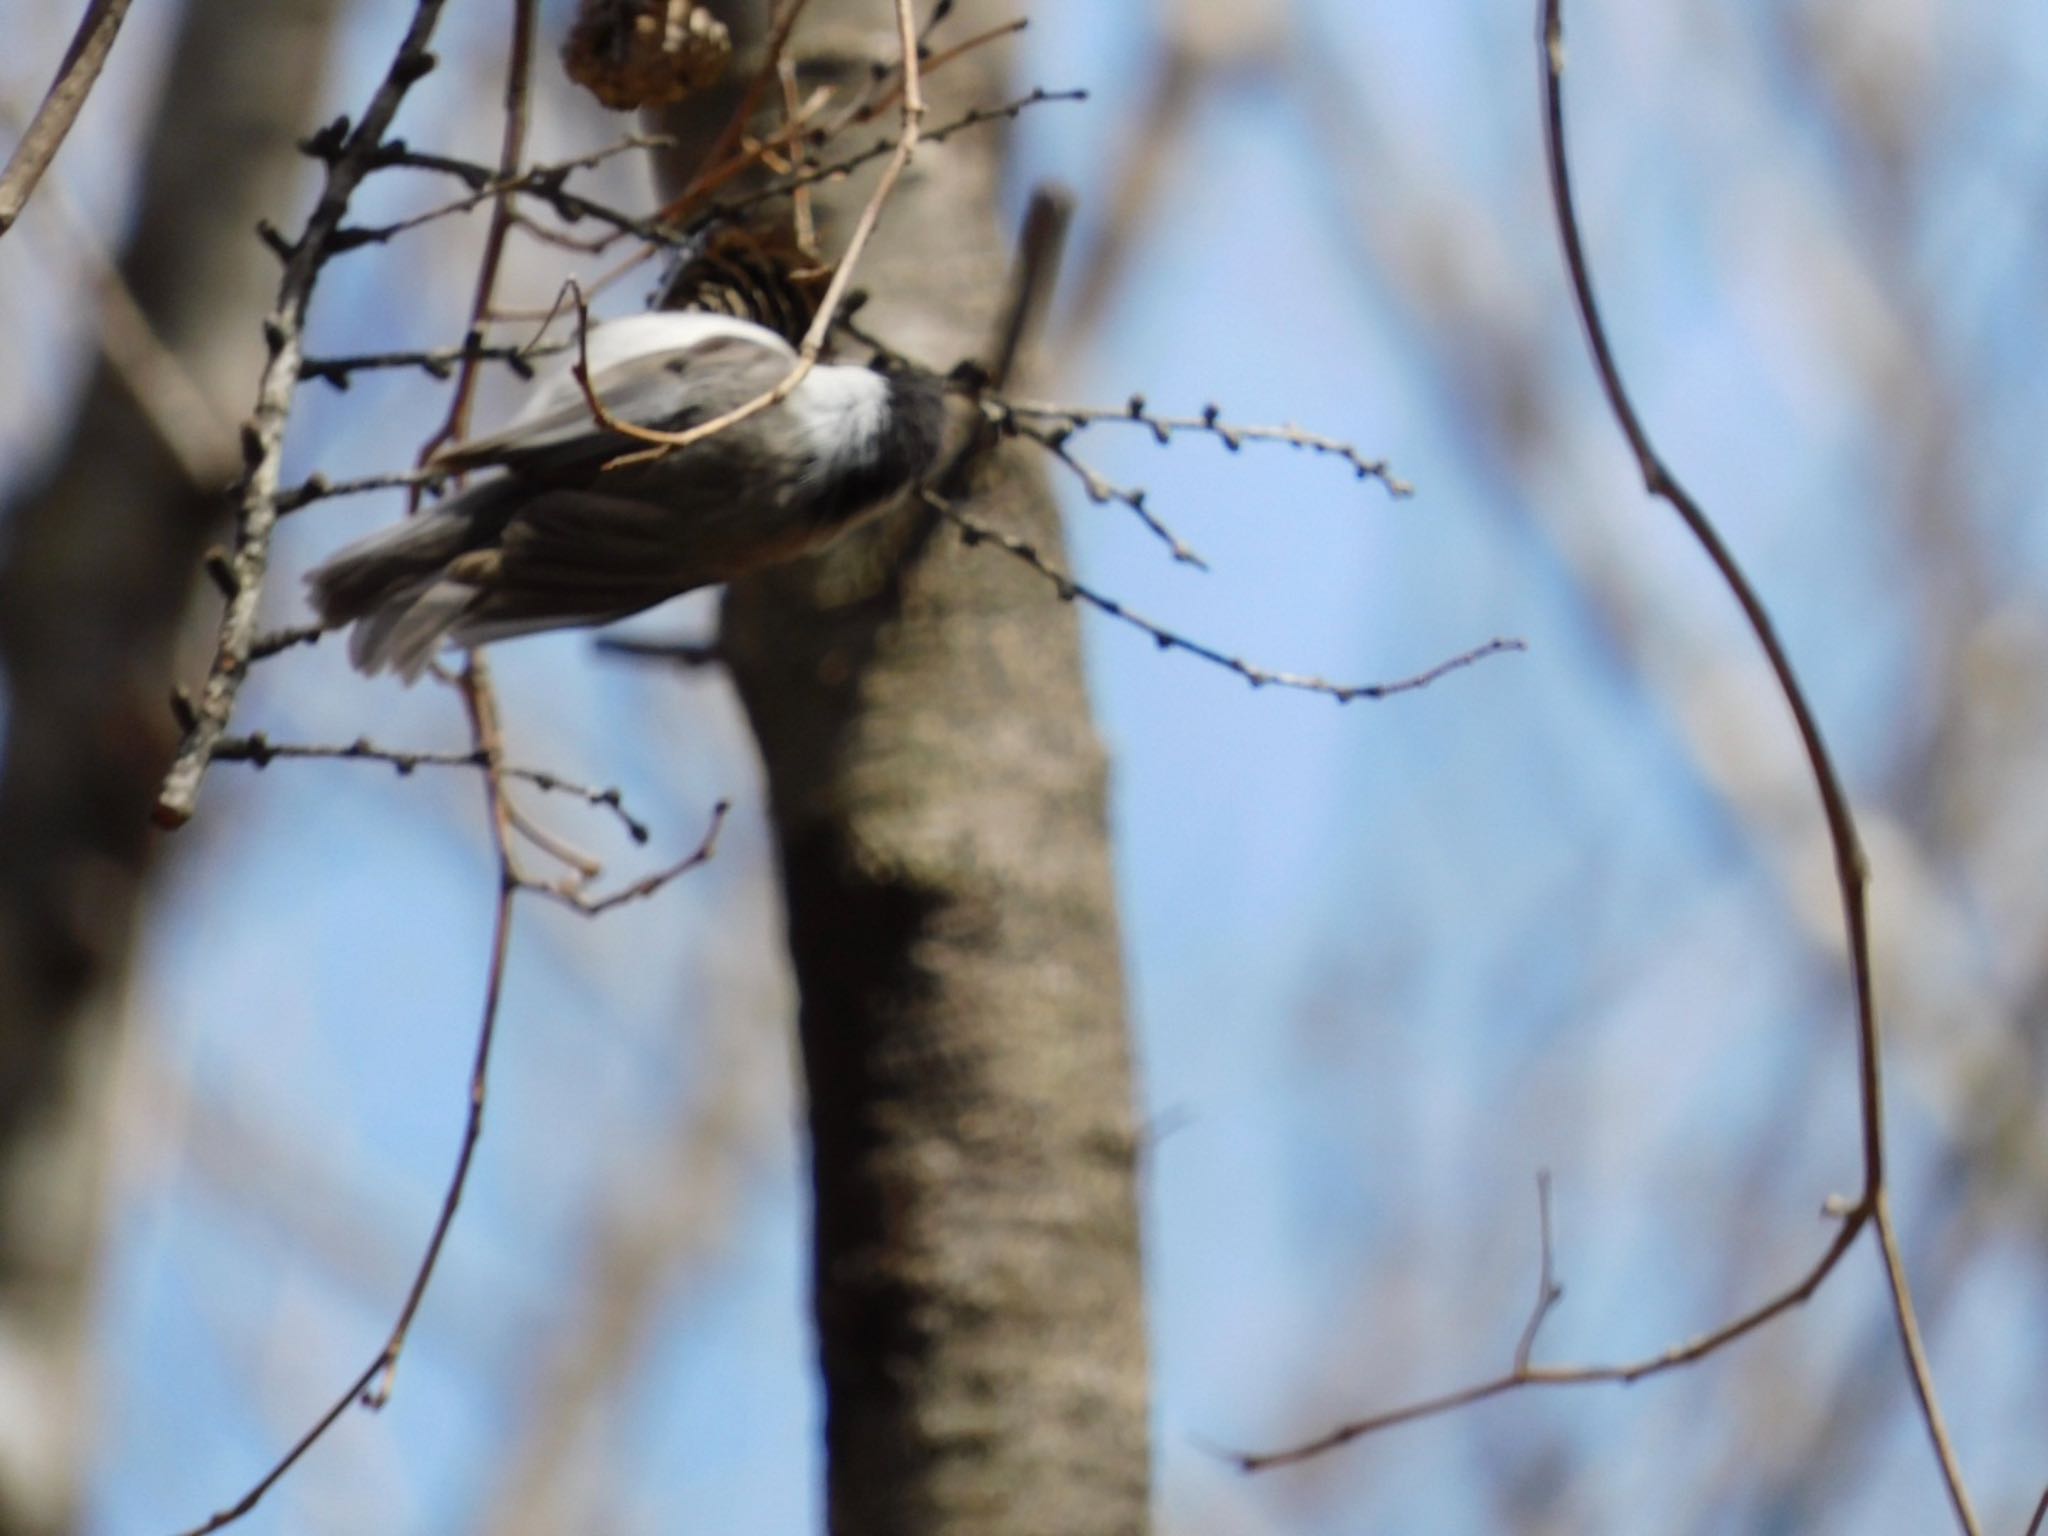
(679, 365)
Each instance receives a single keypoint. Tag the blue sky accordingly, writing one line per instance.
(1385, 961)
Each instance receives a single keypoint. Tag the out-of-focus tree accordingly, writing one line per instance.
(101, 554)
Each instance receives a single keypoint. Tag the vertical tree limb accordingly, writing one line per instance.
(938, 795)
(100, 553)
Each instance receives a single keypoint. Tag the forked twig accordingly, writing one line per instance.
(1872, 1207)
(1072, 590)
(835, 170)
(1524, 1374)
(263, 438)
(1549, 1292)
(577, 899)
(373, 1387)
(1851, 866)
(1076, 418)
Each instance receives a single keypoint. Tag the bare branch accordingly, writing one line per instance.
(1101, 490)
(511, 150)
(545, 183)
(263, 436)
(45, 134)
(578, 900)
(1872, 1207)
(1522, 1374)
(1548, 1292)
(1075, 418)
(373, 1387)
(275, 641)
(260, 751)
(317, 487)
(1071, 590)
(1851, 866)
(680, 653)
(835, 170)
(437, 362)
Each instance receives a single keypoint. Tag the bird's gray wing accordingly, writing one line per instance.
(582, 554)
(666, 391)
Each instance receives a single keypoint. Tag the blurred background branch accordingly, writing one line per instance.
(45, 132)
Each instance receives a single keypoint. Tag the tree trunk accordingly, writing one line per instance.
(938, 796)
(98, 571)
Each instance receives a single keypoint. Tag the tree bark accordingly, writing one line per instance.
(96, 577)
(938, 796)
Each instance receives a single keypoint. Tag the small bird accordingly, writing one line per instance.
(557, 541)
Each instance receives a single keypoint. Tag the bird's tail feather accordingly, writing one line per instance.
(392, 585)
(365, 575)
(412, 624)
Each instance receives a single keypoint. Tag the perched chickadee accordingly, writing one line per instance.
(557, 542)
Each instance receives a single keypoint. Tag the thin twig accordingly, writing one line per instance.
(482, 708)
(586, 866)
(731, 155)
(575, 897)
(45, 134)
(1851, 866)
(929, 64)
(1071, 590)
(2040, 1520)
(718, 160)
(835, 170)
(1101, 490)
(1872, 1207)
(511, 150)
(794, 111)
(373, 1387)
(1522, 1374)
(544, 183)
(317, 487)
(260, 751)
(263, 436)
(679, 653)
(1548, 1292)
(1075, 418)
(437, 362)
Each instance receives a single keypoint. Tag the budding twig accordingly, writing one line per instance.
(1071, 590)
(260, 751)
(263, 438)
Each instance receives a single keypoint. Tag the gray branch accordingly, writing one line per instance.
(263, 435)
